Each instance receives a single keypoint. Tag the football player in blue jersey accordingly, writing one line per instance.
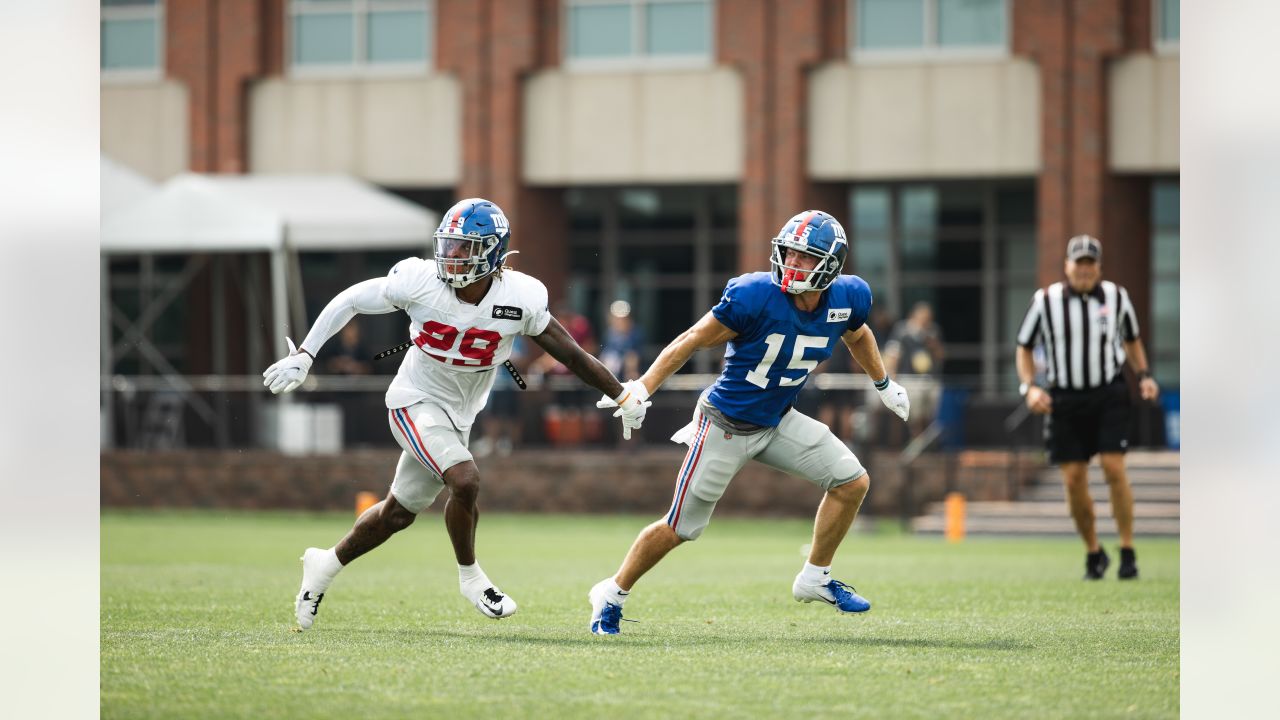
(778, 325)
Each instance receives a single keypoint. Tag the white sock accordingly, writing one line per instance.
(324, 572)
(469, 573)
(614, 593)
(331, 562)
(815, 575)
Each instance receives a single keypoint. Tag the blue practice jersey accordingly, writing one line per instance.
(777, 345)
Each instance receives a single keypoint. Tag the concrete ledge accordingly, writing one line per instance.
(566, 481)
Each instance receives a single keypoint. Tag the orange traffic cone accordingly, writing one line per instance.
(954, 512)
(364, 501)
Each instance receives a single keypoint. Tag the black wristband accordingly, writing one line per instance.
(882, 384)
(1144, 374)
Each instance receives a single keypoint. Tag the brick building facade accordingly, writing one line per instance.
(1076, 109)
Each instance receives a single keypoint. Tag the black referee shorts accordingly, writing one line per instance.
(1086, 422)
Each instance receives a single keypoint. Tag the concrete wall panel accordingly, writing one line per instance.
(394, 131)
(1143, 93)
(144, 126)
(924, 120)
(673, 126)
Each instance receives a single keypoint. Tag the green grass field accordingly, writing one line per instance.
(197, 618)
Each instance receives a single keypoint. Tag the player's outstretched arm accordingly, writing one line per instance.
(866, 352)
(708, 332)
(560, 345)
(366, 298)
(629, 398)
(363, 298)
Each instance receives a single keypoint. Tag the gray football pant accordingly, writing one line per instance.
(799, 446)
(431, 446)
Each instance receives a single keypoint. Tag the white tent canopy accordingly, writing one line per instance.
(335, 212)
(120, 186)
(238, 213)
(191, 214)
(194, 214)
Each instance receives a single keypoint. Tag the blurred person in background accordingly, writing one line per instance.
(466, 309)
(623, 342)
(881, 323)
(579, 328)
(1089, 330)
(350, 357)
(914, 355)
(779, 326)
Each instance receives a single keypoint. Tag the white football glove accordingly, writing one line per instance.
(287, 374)
(894, 397)
(632, 404)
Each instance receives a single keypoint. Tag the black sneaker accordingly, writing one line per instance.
(1128, 564)
(1095, 564)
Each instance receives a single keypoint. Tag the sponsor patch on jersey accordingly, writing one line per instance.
(506, 312)
(839, 314)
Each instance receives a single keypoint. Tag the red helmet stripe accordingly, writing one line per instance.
(805, 223)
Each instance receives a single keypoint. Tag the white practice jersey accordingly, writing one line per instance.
(459, 346)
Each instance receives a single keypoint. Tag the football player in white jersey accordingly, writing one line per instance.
(466, 308)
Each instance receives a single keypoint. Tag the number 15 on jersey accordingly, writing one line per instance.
(773, 346)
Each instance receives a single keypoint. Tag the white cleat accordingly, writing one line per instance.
(314, 585)
(605, 616)
(844, 598)
(489, 600)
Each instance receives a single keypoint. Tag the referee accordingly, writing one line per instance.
(1089, 329)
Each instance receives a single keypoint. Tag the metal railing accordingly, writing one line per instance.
(219, 410)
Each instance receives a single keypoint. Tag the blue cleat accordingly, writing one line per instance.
(610, 618)
(843, 597)
(605, 616)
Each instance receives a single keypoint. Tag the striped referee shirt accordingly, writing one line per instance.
(1082, 333)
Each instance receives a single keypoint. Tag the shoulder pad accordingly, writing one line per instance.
(527, 288)
(408, 278)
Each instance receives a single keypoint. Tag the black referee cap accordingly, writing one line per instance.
(1084, 246)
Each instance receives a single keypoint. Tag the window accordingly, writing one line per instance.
(624, 33)
(131, 33)
(1163, 335)
(1167, 23)
(966, 248)
(359, 35)
(666, 250)
(912, 28)
(871, 228)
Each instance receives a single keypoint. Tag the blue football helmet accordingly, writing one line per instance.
(471, 242)
(815, 233)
